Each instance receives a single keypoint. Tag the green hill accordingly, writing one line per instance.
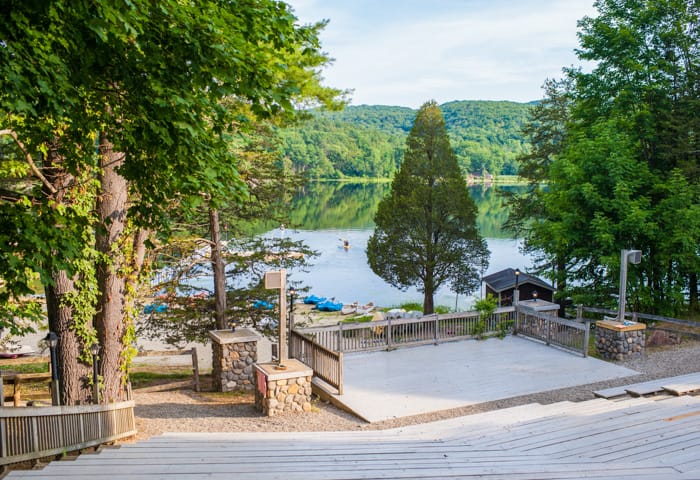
(368, 140)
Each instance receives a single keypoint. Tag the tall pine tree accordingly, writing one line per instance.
(426, 234)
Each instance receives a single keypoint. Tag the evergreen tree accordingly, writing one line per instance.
(426, 232)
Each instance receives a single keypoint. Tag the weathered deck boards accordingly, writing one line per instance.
(638, 438)
(679, 385)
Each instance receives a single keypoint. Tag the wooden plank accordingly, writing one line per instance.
(692, 378)
(681, 388)
(449, 470)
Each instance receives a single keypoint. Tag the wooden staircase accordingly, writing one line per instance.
(626, 438)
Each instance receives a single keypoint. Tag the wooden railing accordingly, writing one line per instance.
(636, 316)
(326, 364)
(393, 333)
(567, 334)
(36, 432)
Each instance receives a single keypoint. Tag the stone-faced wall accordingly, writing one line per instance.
(280, 391)
(616, 341)
(234, 354)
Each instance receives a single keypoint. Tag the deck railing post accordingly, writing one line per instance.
(340, 336)
(579, 312)
(586, 338)
(547, 329)
(435, 330)
(388, 332)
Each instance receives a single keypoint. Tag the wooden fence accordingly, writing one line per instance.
(567, 334)
(171, 353)
(31, 433)
(635, 316)
(326, 364)
(393, 333)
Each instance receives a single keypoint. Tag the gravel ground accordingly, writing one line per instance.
(187, 411)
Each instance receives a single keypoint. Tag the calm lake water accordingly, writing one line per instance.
(324, 213)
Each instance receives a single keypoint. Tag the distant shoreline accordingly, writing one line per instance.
(496, 180)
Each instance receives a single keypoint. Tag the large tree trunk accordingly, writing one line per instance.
(217, 264)
(109, 321)
(72, 373)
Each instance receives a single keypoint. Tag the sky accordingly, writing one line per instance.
(406, 52)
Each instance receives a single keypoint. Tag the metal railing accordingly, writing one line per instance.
(326, 363)
(567, 334)
(36, 432)
(393, 333)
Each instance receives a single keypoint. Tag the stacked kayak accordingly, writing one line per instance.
(328, 306)
(314, 300)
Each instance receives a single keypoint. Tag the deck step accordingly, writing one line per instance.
(636, 438)
(686, 383)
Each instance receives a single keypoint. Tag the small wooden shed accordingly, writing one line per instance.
(502, 284)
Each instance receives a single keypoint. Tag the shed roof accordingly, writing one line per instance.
(505, 280)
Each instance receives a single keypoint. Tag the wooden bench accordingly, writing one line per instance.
(20, 379)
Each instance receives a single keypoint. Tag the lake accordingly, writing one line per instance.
(324, 212)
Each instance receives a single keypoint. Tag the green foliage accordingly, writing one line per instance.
(618, 147)
(425, 232)
(442, 309)
(190, 309)
(152, 80)
(412, 306)
(486, 306)
(368, 141)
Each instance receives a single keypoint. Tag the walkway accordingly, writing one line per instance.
(410, 381)
(633, 438)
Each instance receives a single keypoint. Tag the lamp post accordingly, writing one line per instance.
(535, 294)
(52, 339)
(277, 280)
(95, 350)
(633, 256)
(292, 293)
(516, 291)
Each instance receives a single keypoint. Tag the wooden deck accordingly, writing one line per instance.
(632, 438)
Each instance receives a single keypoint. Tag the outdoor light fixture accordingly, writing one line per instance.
(633, 256)
(95, 350)
(516, 292)
(535, 295)
(52, 340)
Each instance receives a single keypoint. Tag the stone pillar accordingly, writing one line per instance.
(619, 341)
(234, 353)
(278, 391)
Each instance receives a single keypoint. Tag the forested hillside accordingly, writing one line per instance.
(368, 141)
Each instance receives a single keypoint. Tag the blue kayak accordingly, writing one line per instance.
(262, 304)
(329, 306)
(313, 300)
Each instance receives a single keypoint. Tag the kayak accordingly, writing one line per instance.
(329, 306)
(313, 300)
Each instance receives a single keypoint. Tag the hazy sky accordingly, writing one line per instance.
(405, 52)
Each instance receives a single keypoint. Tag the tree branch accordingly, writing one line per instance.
(28, 158)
